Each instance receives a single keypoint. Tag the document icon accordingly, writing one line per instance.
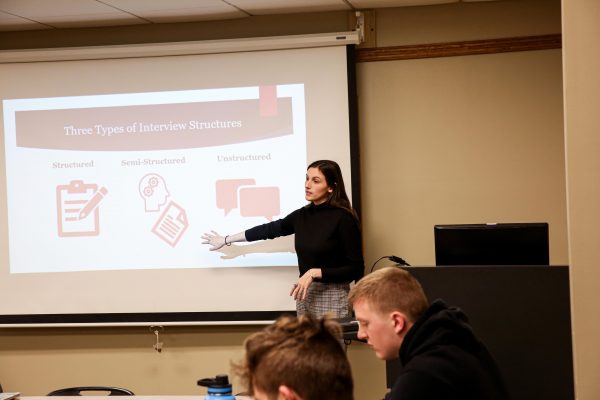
(171, 225)
(77, 208)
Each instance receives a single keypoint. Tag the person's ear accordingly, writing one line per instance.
(398, 321)
(286, 393)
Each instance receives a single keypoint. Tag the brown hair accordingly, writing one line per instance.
(302, 353)
(333, 176)
(391, 289)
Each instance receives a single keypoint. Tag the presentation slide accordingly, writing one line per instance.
(113, 168)
(131, 181)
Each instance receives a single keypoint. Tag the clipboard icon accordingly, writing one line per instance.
(77, 206)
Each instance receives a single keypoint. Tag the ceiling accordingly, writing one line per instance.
(22, 15)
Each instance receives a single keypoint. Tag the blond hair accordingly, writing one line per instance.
(303, 353)
(391, 289)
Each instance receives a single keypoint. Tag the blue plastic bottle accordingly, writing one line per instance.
(219, 388)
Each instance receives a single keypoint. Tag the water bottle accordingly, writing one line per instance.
(219, 388)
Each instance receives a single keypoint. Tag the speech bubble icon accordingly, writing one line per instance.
(259, 201)
(226, 190)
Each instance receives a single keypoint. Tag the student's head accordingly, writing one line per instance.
(387, 303)
(297, 358)
(331, 189)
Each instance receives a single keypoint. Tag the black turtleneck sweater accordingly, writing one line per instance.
(327, 237)
(442, 359)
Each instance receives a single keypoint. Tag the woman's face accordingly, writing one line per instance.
(316, 189)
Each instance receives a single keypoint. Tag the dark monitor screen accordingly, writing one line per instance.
(492, 244)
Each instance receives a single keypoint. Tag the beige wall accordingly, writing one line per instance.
(581, 40)
(460, 140)
(467, 21)
(471, 139)
(447, 140)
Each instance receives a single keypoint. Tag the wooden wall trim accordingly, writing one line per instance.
(452, 49)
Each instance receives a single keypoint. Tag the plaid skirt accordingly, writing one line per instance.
(325, 299)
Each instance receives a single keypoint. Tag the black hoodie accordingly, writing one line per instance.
(442, 359)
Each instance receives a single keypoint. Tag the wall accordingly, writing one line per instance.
(582, 84)
(461, 140)
(464, 139)
(471, 139)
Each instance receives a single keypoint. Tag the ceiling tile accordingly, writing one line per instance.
(35, 9)
(263, 7)
(161, 5)
(178, 10)
(191, 16)
(10, 22)
(43, 14)
(69, 13)
(367, 4)
(94, 20)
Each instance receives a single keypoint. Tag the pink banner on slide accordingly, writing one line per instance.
(268, 100)
(154, 127)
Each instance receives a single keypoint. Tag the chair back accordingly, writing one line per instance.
(76, 391)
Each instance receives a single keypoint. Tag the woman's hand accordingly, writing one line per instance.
(214, 240)
(300, 289)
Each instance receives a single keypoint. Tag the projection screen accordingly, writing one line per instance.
(115, 164)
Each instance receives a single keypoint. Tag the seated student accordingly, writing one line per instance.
(440, 355)
(297, 358)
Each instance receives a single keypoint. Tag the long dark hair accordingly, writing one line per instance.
(333, 176)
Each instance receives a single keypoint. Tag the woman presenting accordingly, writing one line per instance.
(327, 242)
